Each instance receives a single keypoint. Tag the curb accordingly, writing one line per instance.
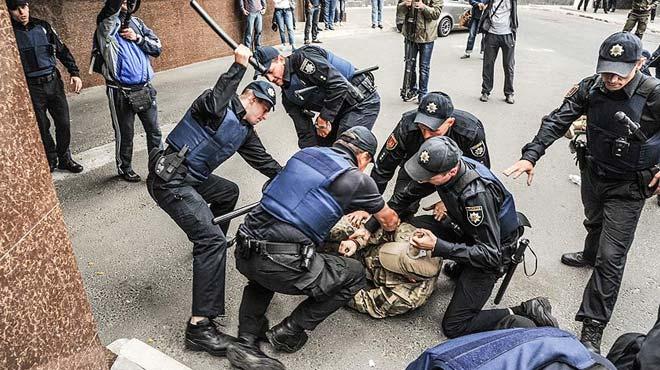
(592, 16)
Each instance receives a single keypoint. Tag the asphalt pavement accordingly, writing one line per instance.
(136, 263)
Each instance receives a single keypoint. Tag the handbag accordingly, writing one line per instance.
(139, 99)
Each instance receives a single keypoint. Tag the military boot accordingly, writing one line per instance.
(205, 336)
(576, 260)
(592, 333)
(245, 354)
(287, 336)
(538, 310)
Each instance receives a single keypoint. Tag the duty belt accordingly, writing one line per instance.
(41, 79)
(265, 248)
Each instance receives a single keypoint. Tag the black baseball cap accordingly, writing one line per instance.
(264, 91)
(619, 53)
(14, 4)
(436, 155)
(434, 109)
(265, 55)
(362, 138)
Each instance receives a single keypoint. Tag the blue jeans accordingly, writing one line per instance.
(330, 6)
(474, 24)
(254, 27)
(284, 19)
(423, 52)
(377, 12)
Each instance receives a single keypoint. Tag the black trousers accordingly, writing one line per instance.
(50, 98)
(123, 121)
(585, 2)
(492, 45)
(188, 206)
(312, 23)
(465, 313)
(611, 209)
(339, 280)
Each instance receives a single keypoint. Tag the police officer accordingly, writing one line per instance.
(481, 236)
(40, 47)
(342, 99)
(277, 242)
(435, 116)
(619, 171)
(218, 124)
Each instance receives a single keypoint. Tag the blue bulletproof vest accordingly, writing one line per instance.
(603, 130)
(133, 64)
(509, 349)
(508, 218)
(299, 195)
(207, 149)
(37, 53)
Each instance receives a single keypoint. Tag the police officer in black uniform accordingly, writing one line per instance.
(435, 116)
(40, 48)
(218, 124)
(619, 168)
(277, 242)
(342, 99)
(480, 233)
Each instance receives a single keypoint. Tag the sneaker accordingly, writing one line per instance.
(509, 99)
(205, 336)
(307, 42)
(484, 97)
(465, 56)
(317, 41)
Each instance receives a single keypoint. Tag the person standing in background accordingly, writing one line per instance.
(284, 17)
(253, 10)
(377, 13)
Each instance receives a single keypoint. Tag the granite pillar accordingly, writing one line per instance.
(45, 319)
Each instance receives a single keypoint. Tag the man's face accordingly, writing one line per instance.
(614, 82)
(21, 14)
(256, 111)
(363, 160)
(124, 6)
(442, 130)
(442, 178)
(275, 73)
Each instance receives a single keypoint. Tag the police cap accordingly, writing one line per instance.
(434, 109)
(619, 53)
(264, 91)
(436, 155)
(265, 55)
(14, 4)
(362, 138)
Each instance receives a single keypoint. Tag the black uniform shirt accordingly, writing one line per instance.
(310, 64)
(406, 138)
(576, 103)
(209, 110)
(481, 242)
(353, 190)
(61, 50)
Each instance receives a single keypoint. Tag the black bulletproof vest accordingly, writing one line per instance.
(37, 53)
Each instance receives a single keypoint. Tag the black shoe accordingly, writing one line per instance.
(130, 176)
(286, 337)
(592, 333)
(509, 99)
(452, 269)
(307, 42)
(52, 166)
(247, 355)
(380, 26)
(576, 260)
(539, 310)
(373, 26)
(205, 336)
(484, 97)
(69, 165)
(317, 41)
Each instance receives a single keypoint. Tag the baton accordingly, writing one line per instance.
(515, 260)
(300, 92)
(235, 213)
(223, 35)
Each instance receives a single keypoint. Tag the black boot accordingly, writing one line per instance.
(70, 165)
(576, 260)
(245, 354)
(205, 336)
(538, 310)
(287, 336)
(592, 333)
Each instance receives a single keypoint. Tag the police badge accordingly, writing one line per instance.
(478, 150)
(475, 215)
(391, 142)
(307, 67)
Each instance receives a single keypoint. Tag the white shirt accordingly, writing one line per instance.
(283, 4)
(501, 20)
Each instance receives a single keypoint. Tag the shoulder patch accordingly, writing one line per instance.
(478, 150)
(475, 215)
(572, 91)
(391, 142)
(307, 67)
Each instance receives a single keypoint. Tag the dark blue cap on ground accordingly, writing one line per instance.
(619, 53)
(436, 155)
(362, 138)
(434, 109)
(265, 55)
(14, 4)
(264, 91)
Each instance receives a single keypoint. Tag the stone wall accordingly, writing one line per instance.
(45, 319)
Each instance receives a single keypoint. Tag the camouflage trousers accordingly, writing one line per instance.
(639, 18)
(388, 293)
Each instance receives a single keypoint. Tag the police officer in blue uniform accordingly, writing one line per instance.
(218, 124)
(342, 99)
(277, 242)
(481, 237)
(40, 48)
(619, 168)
